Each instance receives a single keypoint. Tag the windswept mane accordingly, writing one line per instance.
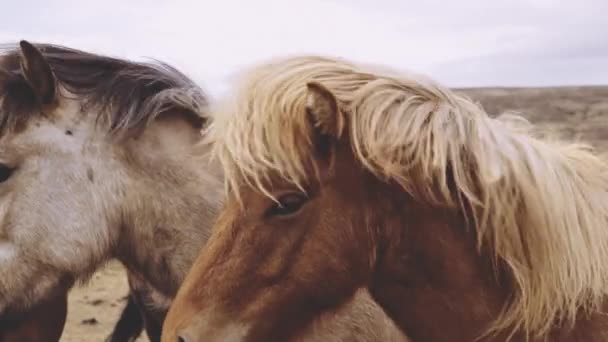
(125, 94)
(541, 206)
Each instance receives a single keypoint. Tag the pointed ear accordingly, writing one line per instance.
(37, 73)
(327, 121)
(324, 111)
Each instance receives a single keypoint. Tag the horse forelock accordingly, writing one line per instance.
(540, 206)
(125, 95)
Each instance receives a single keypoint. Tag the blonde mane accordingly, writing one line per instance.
(541, 206)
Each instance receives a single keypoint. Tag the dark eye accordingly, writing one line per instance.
(287, 204)
(5, 172)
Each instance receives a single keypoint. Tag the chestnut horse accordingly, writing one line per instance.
(100, 159)
(462, 226)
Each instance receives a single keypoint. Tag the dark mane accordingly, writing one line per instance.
(125, 94)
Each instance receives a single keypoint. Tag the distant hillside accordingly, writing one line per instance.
(580, 112)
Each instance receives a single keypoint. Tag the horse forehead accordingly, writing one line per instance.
(67, 108)
(66, 113)
(42, 137)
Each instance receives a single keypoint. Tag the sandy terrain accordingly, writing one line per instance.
(95, 307)
(571, 112)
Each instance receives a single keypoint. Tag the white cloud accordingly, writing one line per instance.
(469, 42)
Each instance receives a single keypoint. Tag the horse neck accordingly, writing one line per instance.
(435, 283)
(169, 213)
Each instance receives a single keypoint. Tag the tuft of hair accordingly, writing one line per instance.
(540, 205)
(126, 94)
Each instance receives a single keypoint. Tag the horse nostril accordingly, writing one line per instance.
(181, 339)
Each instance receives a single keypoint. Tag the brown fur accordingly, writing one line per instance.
(461, 226)
(42, 323)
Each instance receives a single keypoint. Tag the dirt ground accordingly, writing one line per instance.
(570, 112)
(94, 308)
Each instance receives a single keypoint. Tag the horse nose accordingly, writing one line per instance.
(188, 334)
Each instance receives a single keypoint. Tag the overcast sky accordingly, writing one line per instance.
(457, 42)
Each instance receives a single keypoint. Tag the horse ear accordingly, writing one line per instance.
(323, 110)
(37, 72)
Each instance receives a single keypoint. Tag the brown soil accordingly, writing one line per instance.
(580, 112)
(95, 307)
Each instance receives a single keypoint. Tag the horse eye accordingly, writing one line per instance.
(288, 204)
(5, 172)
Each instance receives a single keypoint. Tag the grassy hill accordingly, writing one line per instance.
(572, 112)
